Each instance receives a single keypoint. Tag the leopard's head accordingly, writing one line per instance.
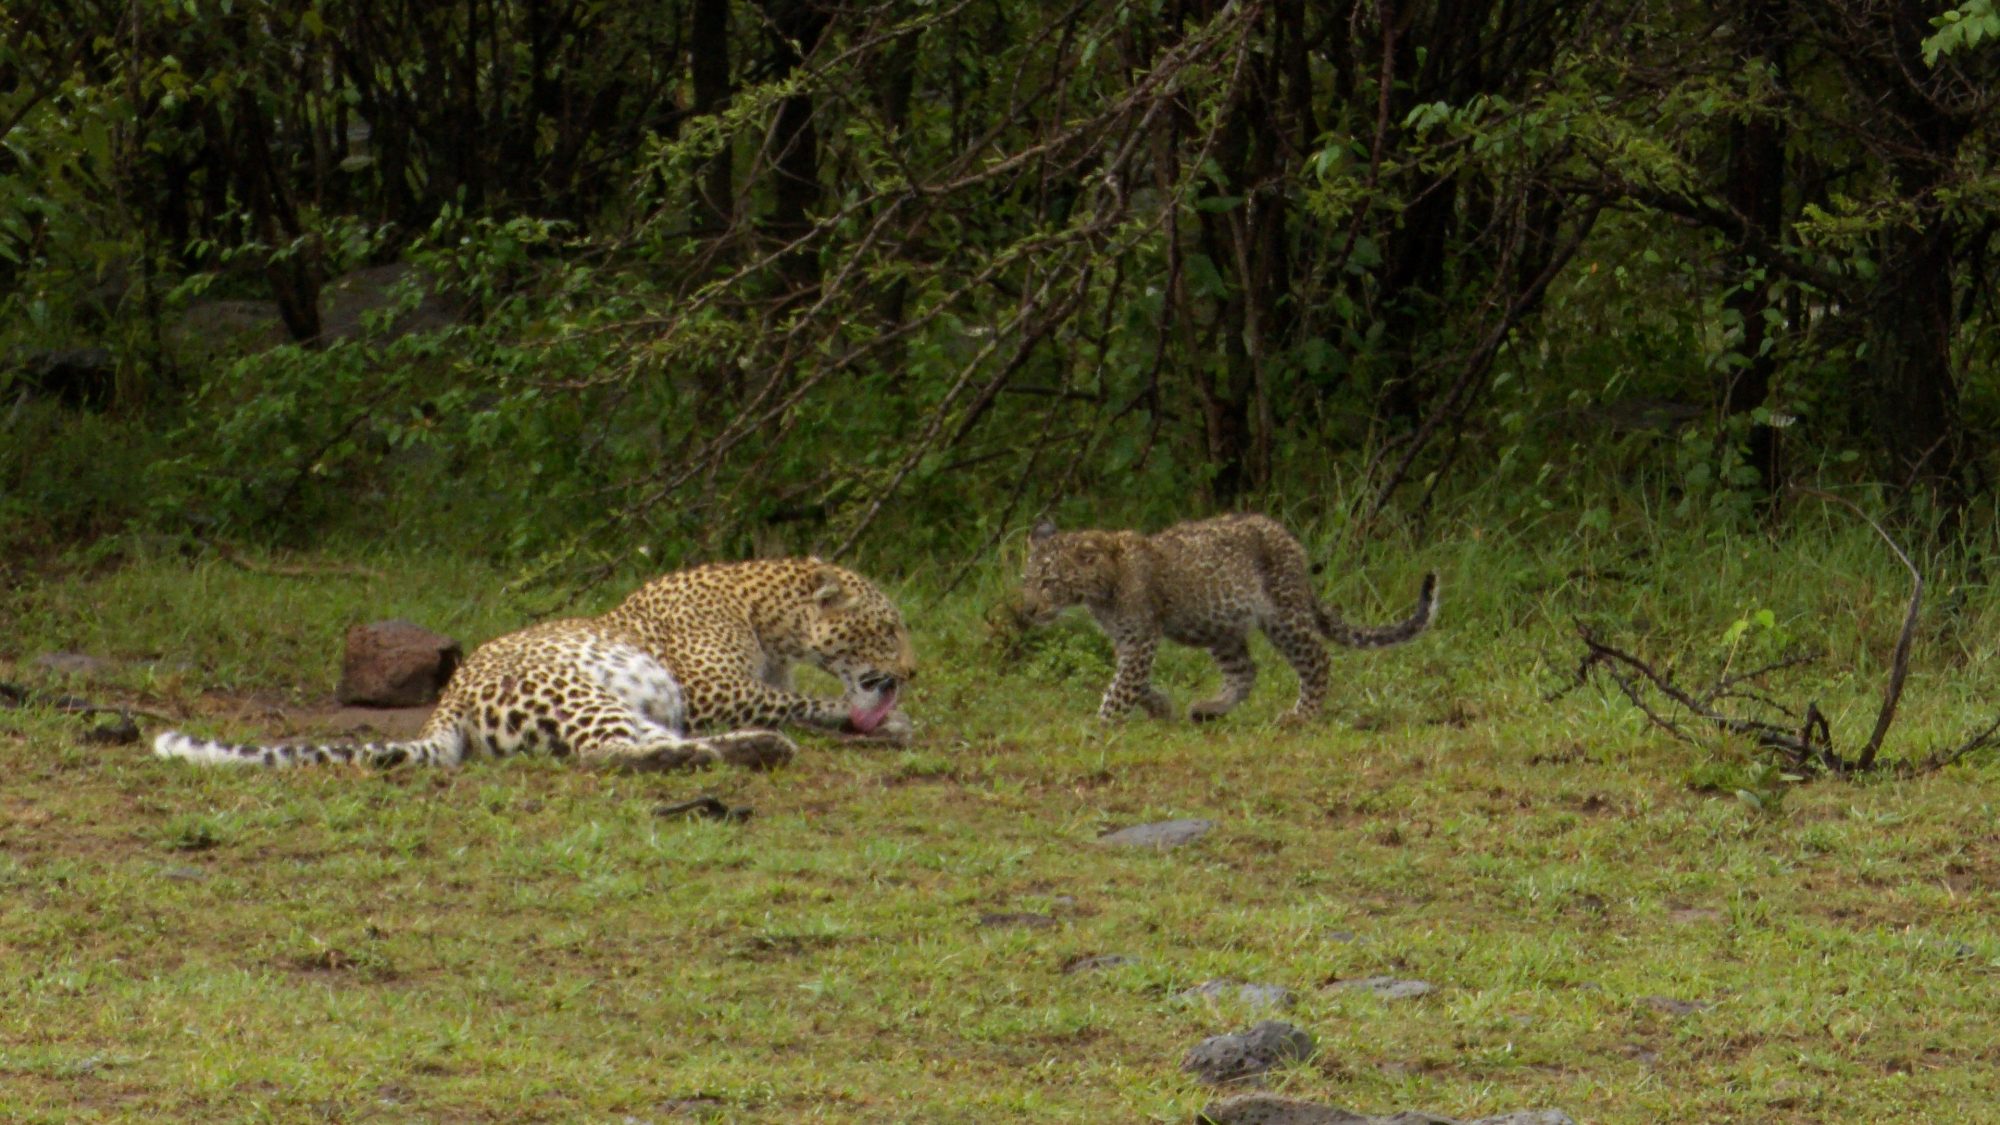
(856, 633)
(1066, 568)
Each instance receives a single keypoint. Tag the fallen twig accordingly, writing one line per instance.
(1810, 746)
(705, 806)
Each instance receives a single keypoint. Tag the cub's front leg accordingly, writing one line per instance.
(1132, 684)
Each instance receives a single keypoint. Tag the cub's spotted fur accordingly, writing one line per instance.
(1205, 583)
(710, 647)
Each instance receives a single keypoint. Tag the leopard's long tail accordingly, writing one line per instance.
(1381, 636)
(434, 749)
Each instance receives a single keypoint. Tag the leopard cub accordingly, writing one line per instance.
(1205, 583)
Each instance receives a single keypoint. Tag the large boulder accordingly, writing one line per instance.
(395, 664)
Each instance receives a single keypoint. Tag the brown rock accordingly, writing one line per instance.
(395, 664)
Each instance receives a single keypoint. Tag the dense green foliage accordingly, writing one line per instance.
(722, 276)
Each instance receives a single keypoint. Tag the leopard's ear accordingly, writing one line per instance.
(1045, 528)
(830, 590)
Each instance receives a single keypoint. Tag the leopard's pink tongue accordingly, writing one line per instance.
(866, 721)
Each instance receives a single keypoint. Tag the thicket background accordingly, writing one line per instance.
(543, 279)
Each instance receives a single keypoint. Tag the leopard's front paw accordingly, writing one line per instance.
(755, 749)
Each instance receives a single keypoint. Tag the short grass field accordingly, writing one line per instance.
(1610, 929)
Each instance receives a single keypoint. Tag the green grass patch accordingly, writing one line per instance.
(1610, 929)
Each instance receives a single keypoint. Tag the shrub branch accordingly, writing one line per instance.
(1809, 747)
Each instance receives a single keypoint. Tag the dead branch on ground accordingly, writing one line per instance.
(1807, 747)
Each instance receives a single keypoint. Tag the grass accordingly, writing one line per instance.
(525, 941)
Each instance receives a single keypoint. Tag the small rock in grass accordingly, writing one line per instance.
(1016, 918)
(1270, 1109)
(1389, 988)
(1692, 915)
(184, 873)
(121, 731)
(80, 665)
(1097, 963)
(703, 1106)
(1220, 1059)
(1639, 1052)
(1260, 996)
(1161, 834)
(1673, 1006)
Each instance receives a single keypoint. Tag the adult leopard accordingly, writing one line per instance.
(710, 647)
(1205, 583)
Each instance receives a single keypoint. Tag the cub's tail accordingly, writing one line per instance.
(1360, 636)
(437, 750)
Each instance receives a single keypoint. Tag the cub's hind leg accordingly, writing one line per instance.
(1239, 675)
(1297, 639)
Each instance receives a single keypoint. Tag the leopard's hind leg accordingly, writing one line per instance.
(649, 748)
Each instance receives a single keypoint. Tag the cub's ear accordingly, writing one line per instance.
(1044, 529)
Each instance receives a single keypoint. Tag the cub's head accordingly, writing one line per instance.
(1067, 568)
(855, 632)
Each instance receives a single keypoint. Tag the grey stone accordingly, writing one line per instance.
(1017, 918)
(1389, 988)
(1097, 963)
(1160, 834)
(81, 665)
(184, 873)
(703, 1106)
(1270, 1109)
(1262, 996)
(1673, 1006)
(395, 664)
(1693, 915)
(1220, 1059)
(1273, 1109)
